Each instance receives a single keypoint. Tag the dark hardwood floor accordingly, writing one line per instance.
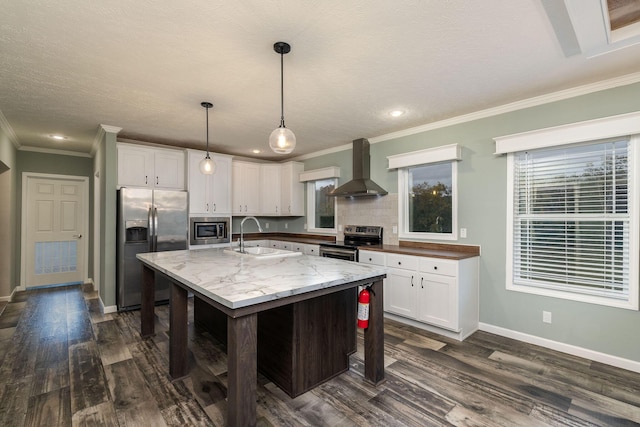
(63, 363)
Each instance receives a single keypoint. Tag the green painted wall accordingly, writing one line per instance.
(29, 161)
(9, 262)
(482, 210)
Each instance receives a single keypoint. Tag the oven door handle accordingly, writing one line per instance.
(344, 254)
(336, 251)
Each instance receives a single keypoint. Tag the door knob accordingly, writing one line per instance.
(77, 236)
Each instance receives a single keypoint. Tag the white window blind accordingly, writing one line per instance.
(571, 219)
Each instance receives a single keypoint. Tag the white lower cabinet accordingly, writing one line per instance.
(304, 248)
(431, 291)
(400, 292)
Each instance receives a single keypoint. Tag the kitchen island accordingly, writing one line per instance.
(244, 286)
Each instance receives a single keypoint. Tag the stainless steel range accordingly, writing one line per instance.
(355, 236)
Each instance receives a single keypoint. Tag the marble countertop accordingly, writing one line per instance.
(236, 280)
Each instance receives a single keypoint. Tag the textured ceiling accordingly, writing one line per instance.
(68, 66)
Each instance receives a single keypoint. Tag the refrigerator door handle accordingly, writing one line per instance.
(155, 229)
(151, 230)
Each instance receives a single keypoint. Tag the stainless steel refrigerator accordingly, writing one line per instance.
(148, 221)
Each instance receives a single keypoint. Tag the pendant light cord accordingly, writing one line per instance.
(282, 90)
(207, 107)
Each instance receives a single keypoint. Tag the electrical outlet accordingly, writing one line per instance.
(395, 229)
(546, 316)
(286, 225)
(266, 225)
(339, 227)
(463, 233)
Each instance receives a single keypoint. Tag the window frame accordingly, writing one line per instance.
(403, 204)
(311, 207)
(631, 302)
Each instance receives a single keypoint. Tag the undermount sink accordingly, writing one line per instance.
(262, 252)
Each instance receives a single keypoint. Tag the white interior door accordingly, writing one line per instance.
(54, 235)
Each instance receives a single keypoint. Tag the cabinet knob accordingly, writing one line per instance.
(399, 263)
(369, 259)
(435, 267)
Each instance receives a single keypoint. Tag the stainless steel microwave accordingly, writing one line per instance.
(208, 230)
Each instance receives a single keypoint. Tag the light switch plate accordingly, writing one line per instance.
(463, 233)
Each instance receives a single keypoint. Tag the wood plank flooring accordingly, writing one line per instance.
(63, 363)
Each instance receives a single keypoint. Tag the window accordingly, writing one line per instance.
(571, 222)
(428, 200)
(321, 208)
(427, 192)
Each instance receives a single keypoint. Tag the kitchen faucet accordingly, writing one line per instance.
(242, 230)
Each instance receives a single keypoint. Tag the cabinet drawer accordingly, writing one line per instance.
(375, 258)
(438, 266)
(402, 261)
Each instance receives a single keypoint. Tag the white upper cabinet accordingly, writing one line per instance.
(275, 189)
(140, 166)
(209, 194)
(246, 188)
(292, 193)
(270, 189)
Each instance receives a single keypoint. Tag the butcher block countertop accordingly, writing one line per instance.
(431, 250)
(425, 249)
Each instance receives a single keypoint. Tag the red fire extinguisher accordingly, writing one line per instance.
(363, 309)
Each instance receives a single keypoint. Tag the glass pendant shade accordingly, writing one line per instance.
(207, 165)
(282, 140)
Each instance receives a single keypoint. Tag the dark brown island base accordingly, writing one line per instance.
(298, 340)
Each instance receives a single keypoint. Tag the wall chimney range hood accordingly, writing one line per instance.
(361, 184)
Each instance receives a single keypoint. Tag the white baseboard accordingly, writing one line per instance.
(10, 297)
(108, 309)
(608, 359)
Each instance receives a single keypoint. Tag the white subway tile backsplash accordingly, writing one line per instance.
(370, 211)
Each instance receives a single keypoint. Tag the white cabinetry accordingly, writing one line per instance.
(275, 189)
(292, 190)
(209, 194)
(431, 291)
(305, 248)
(140, 166)
(270, 189)
(376, 258)
(246, 187)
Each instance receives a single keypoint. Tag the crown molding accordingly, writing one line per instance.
(506, 108)
(322, 152)
(515, 106)
(102, 130)
(8, 130)
(54, 151)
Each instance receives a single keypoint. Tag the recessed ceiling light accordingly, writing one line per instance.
(58, 137)
(255, 151)
(396, 113)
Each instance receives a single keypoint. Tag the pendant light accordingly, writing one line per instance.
(282, 140)
(207, 165)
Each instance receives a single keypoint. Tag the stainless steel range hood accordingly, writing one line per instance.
(361, 184)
